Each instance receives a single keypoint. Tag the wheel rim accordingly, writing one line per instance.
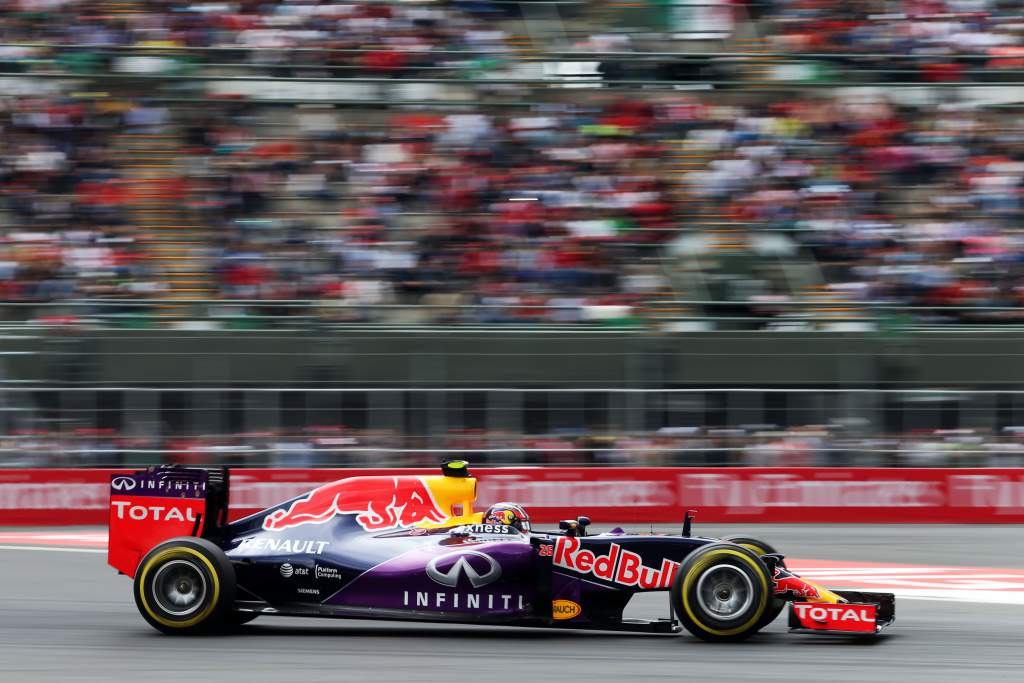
(725, 592)
(179, 588)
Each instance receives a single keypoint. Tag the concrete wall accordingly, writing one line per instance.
(506, 358)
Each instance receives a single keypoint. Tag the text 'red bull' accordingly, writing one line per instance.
(618, 566)
(378, 503)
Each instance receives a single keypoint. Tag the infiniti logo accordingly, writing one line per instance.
(122, 483)
(461, 564)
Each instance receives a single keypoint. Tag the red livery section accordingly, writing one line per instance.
(848, 618)
(147, 510)
(378, 503)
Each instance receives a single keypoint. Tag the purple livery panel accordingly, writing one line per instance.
(455, 576)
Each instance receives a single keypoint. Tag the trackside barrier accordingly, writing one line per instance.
(627, 494)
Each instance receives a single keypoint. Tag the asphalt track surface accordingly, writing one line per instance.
(67, 616)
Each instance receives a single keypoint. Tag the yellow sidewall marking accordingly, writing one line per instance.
(202, 614)
(710, 558)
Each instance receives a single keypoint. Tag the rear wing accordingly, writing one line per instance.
(152, 505)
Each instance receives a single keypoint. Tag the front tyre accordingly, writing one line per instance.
(759, 547)
(755, 545)
(722, 593)
(185, 586)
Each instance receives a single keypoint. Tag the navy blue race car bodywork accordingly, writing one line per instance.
(411, 547)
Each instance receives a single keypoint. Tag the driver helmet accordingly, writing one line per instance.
(511, 514)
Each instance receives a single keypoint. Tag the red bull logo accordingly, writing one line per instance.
(378, 503)
(618, 566)
(794, 585)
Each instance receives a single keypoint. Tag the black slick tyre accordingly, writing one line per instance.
(185, 586)
(759, 547)
(721, 593)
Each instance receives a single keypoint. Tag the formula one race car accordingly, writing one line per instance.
(411, 547)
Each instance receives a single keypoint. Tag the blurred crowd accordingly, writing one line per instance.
(574, 207)
(368, 37)
(750, 446)
(935, 29)
(395, 36)
(564, 210)
(905, 205)
(66, 233)
(505, 211)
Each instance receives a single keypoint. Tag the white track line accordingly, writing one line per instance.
(978, 597)
(52, 549)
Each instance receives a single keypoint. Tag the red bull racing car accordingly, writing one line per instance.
(411, 547)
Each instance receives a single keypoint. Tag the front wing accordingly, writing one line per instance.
(862, 614)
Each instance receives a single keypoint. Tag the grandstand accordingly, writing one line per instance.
(653, 196)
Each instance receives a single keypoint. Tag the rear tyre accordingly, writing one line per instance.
(721, 593)
(185, 586)
(759, 547)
